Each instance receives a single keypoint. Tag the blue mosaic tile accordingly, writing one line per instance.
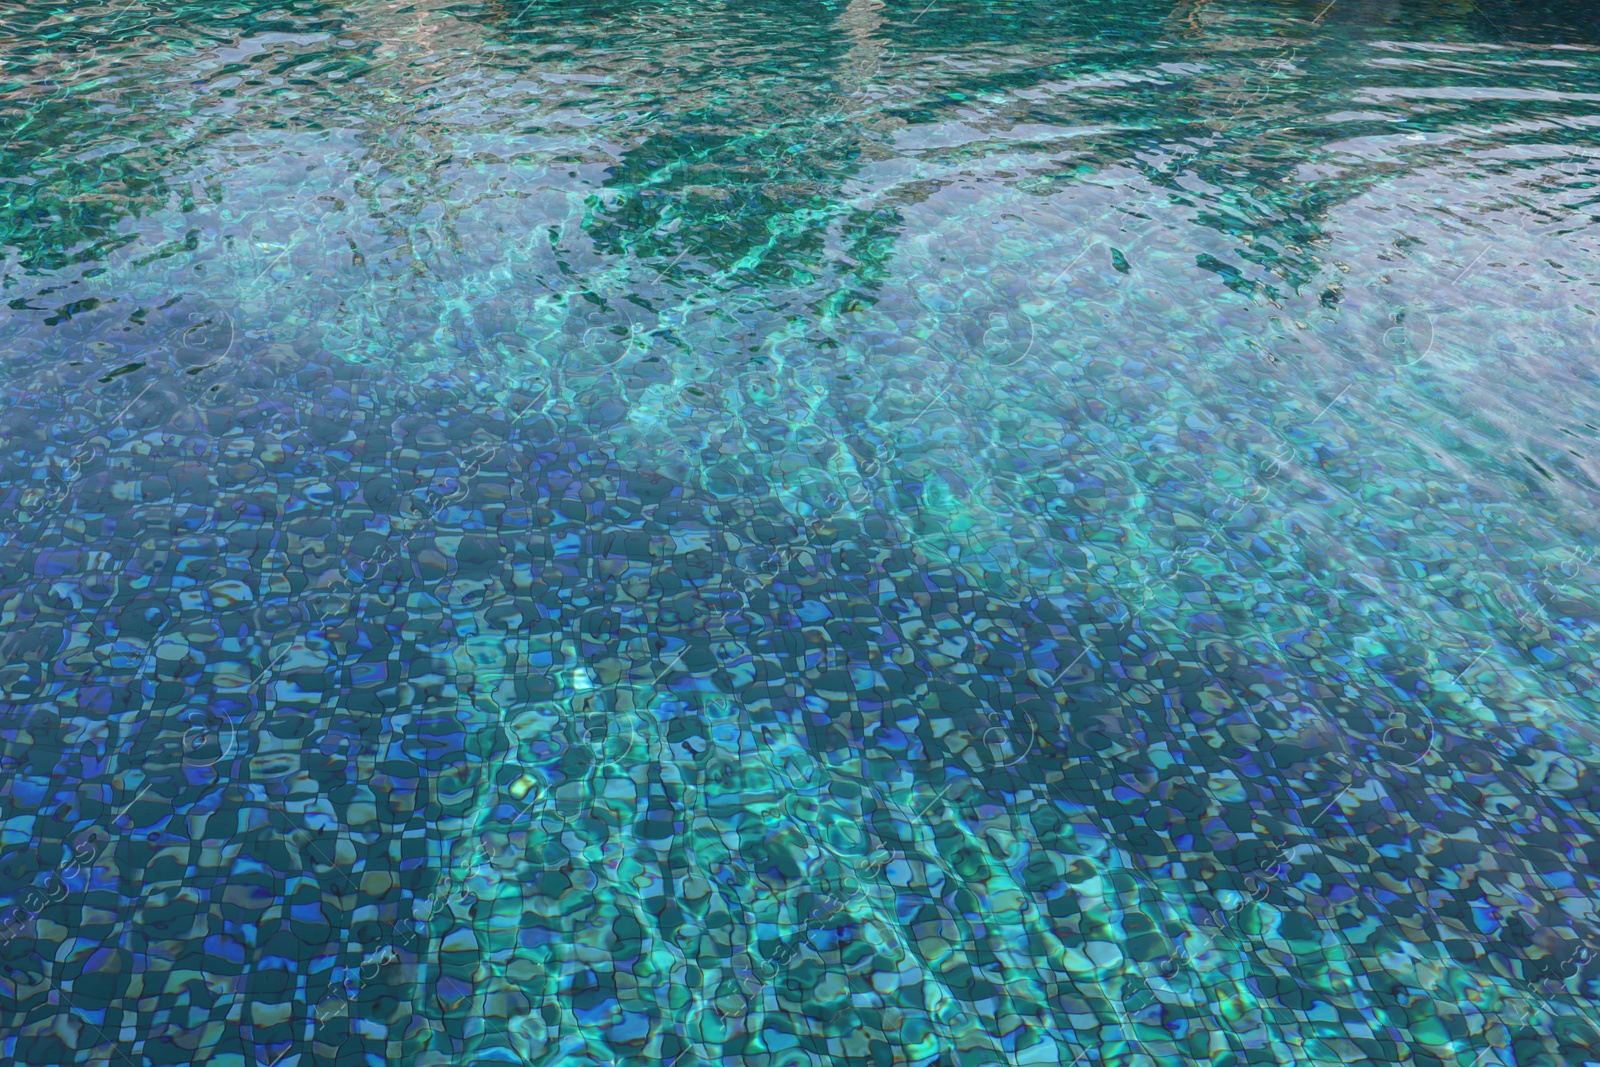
(860, 532)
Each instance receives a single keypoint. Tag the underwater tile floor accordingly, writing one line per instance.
(936, 532)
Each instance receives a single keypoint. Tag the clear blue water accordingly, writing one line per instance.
(799, 534)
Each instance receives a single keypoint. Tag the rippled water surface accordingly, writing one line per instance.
(800, 533)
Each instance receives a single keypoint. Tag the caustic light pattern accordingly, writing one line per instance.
(873, 532)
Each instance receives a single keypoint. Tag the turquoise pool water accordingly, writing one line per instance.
(868, 532)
